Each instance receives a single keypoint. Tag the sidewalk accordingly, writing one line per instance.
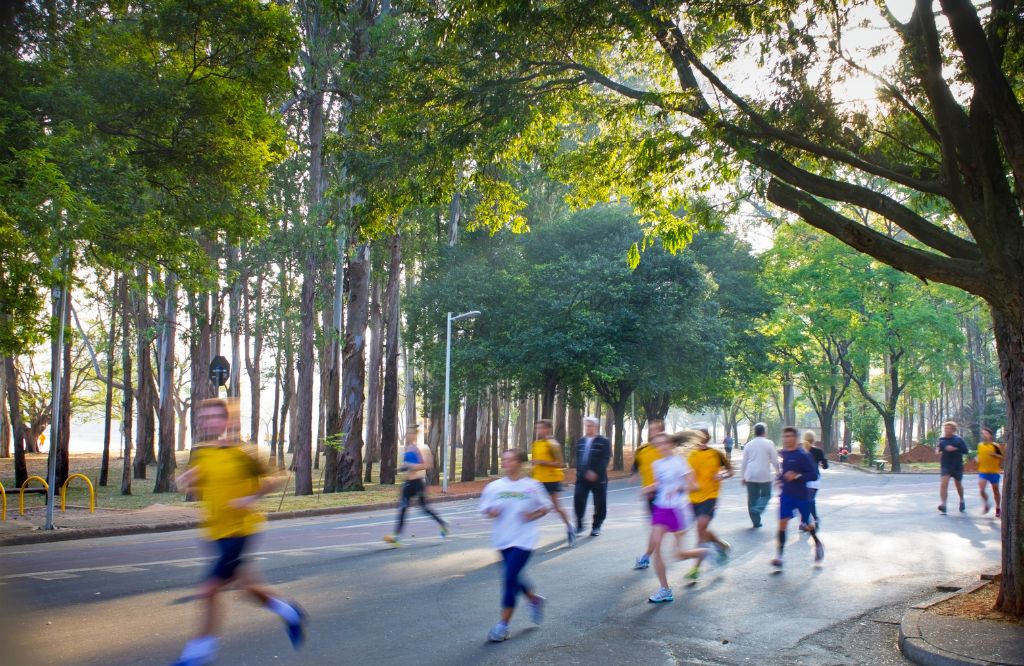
(932, 638)
(78, 523)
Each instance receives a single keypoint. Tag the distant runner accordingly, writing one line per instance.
(549, 470)
(810, 445)
(515, 502)
(953, 449)
(416, 460)
(230, 482)
(798, 467)
(990, 466)
(643, 464)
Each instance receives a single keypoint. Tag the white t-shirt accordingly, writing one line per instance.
(669, 476)
(514, 499)
(760, 461)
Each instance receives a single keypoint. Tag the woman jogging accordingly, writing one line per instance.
(671, 512)
(813, 486)
(990, 466)
(515, 501)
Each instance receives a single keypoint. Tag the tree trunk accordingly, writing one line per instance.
(483, 436)
(574, 432)
(495, 429)
(1008, 327)
(108, 404)
(560, 431)
(353, 371)
(166, 463)
(373, 383)
(5, 419)
(234, 323)
(469, 437)
(287, 408)
(63, 411)
(547, 410)
(455, 433)
(303, 445)
(200, 351)
(619, 413)
(275, 417)
(392, 345)
(126, 408)
(522, 423)
(434, 440)
(254, 307)
(17, 426)
(788, 401)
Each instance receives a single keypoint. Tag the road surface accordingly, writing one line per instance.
(126, 600)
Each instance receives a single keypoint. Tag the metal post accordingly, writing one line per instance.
(56, 376)
(447, 390)
(632, 408)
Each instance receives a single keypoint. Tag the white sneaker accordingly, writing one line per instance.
(642, 562)
(498, 633)
(661, 596)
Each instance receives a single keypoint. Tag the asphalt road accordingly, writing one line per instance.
(126, 600)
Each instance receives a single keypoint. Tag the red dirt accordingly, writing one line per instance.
(978, 605)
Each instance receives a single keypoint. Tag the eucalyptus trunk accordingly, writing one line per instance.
(392, 346)
(353, 371)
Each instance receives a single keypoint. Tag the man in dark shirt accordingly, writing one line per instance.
(798, 467)
(953, 449)
(592, 455)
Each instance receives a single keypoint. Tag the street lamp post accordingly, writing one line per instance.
(445, 451)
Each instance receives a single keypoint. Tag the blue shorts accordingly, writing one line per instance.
(991, 478)
(788, 505)
(229, 557)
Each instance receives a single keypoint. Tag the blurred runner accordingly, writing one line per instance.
(798, 467)
(710, 467)
(416, 460)
(643, 464)
(549, 470)
(953, 449)
(230, 482)
(990, 466)
(810, 445)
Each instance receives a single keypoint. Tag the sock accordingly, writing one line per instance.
(782, 541)
(285, 610)
(202, 647)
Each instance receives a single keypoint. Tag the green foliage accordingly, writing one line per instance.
(866, 428)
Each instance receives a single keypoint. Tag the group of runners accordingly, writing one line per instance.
(680, 477)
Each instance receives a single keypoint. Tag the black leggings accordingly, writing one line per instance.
(410, 491)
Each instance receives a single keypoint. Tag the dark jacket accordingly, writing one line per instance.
(600, 456)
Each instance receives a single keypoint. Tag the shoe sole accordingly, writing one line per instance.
(660, 601)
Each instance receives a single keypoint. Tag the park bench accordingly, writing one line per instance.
(880, 465)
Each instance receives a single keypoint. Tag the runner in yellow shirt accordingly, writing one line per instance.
(990, 466)
(643, 465)
(549, 470)
(230, 482)
(710, 467)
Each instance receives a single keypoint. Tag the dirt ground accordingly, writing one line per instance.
(978, 605)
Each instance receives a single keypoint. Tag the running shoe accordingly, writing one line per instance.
(963, 506)
(595, 532)
(819, 551)
(445, 528)
(393, 540)
(998, 513)
(579, 530)
(942, 508)
(694, 573)
(537, 609)
(661, 596)
(498, 633)
(985, 508)
(571, 535)
(722, 554)
(777, 563)
(194, 661)
(297, 630)
(642, 562)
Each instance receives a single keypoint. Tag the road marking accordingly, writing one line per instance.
(181, 564)
(54, 575)
(123, 570)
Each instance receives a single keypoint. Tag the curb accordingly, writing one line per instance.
(40, 536)
(917, 649)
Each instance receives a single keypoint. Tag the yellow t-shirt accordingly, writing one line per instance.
(543, 450)
(226, 473)
(643, 462)
(706, 464)
(988, 463)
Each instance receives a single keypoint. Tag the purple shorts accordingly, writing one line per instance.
(672, 519)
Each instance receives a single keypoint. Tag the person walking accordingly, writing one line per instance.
(593, 452)
(230, 482)
(515, 502)
(810, 445)
(798, 467)
(759, 469)
(549, 470)
(727, 443)
(710, 467)
(990, 467)
(643, 465)
(416, 460)
(953, 448)
(671, 513)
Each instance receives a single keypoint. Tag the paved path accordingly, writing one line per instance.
(125, 600)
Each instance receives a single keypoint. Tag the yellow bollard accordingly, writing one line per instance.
(22, 498)
(3, 495)
(64, 493)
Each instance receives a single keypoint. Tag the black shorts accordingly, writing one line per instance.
(229, 557)
(955, 472)
(705, 508)
(553, 486)
(650, 505)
